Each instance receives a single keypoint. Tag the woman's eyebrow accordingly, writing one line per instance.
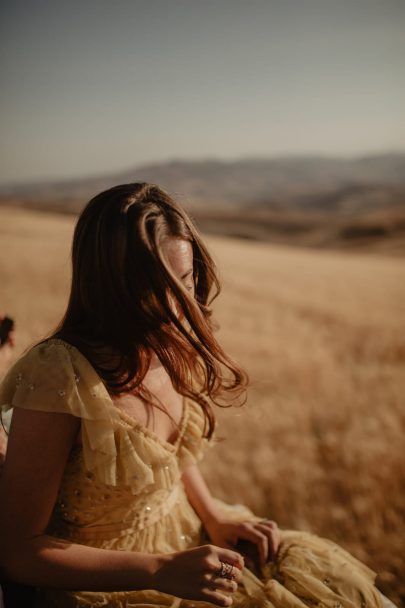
(187, 273)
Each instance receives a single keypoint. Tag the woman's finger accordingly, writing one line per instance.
(219, 599)
(273, 538)
(249, 532)
(215, 571)
(269, 522)
(213, 581)
(230, 557)
(274, 527)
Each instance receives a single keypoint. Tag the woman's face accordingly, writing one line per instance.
(179, 254)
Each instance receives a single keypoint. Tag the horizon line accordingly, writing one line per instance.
(203, 159)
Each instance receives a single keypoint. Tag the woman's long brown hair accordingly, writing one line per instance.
(120, 306)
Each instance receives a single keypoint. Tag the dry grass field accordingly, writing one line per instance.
(320, 443)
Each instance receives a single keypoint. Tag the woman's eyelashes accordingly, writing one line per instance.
(189, 283)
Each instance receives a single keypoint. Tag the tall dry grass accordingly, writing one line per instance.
(320, 443)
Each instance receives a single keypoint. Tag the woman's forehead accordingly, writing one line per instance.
(179, 254)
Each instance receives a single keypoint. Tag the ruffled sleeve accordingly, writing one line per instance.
(193, 445)
(55, 377)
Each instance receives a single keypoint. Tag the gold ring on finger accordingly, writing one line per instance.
(226, 571)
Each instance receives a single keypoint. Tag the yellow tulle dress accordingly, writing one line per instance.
(122, 490)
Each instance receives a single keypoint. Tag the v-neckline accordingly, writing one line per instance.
(130, 419)
(147, 431)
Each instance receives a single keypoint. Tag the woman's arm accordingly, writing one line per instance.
(38, 448)
(199, 495)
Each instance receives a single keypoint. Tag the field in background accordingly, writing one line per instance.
(319, 444)
(379, 231)
(312, 226)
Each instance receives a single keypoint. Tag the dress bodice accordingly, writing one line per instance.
(123, 477)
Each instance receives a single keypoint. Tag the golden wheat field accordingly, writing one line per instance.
(319, 445)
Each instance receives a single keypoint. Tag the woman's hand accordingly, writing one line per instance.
(263, 534)
(194, 574)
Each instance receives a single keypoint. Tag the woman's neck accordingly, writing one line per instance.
(155, 362)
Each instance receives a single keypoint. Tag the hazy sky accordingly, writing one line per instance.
(89, 86)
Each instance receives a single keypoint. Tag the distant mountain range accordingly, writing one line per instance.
(320, 183)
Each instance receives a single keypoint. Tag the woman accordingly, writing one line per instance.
(105, 505)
